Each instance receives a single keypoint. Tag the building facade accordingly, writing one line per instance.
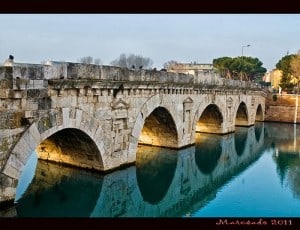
(191, 68)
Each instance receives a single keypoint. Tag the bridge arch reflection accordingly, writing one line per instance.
(240, 140)
(208, 150)
(258, 129)
(58, 191)
(155, 169)
(122, 193)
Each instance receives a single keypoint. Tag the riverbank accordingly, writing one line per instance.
(282, 108)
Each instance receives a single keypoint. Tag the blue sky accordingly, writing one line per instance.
(33, 38)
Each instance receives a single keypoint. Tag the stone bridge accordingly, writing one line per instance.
(94, 117)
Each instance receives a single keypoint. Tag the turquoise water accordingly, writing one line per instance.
(254, 172)
(256, 192)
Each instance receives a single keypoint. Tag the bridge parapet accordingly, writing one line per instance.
(35, 76)
(32, 76)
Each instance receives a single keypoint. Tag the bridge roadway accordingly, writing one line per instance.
(94, 117)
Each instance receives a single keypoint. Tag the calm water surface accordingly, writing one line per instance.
(254, 172)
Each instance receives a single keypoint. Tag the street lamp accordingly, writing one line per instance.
(243, 59)
(243, 49)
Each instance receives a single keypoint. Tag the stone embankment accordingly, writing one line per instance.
(283, 108)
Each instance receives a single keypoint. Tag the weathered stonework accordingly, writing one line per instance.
(283, 109)
(95, 116)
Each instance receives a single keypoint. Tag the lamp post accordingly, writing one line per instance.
(243, 49)
(243, 57)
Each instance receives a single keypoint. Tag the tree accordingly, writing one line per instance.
(97, 61)
(132, 61)
(284, 64)
(223, 66)
(171, 64)
(252, 68)
(90, 60)
(295, 69)
(286, 83)
(243, 68)
(86, 60)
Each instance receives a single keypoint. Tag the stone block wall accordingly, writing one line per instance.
(282, 108)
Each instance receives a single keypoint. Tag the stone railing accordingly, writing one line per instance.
(35, 76)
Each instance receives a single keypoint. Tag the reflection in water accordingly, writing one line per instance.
(172, 183)
(283, 137)
(294, 180)
(208, 151)
(27, 175)
(155, 168)
(240, 139)
(258, 128)
(286, 147)
(57, 191)
(284, 163)
(288, 167)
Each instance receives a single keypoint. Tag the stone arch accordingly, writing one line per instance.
(162, 104)
(259, 115)
(211, 120)
(159, 129)
(44, 127)
(241, 114)
(198, 112)
(209, 117)
(71, 147)
(77, 122)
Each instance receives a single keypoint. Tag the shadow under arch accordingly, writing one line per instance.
(241, 118)
(240, 139)
(208, 150)
(210, 120)
(60, 191)
(159, 129)
(155, 170)
(70, 146)
(259, 113)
